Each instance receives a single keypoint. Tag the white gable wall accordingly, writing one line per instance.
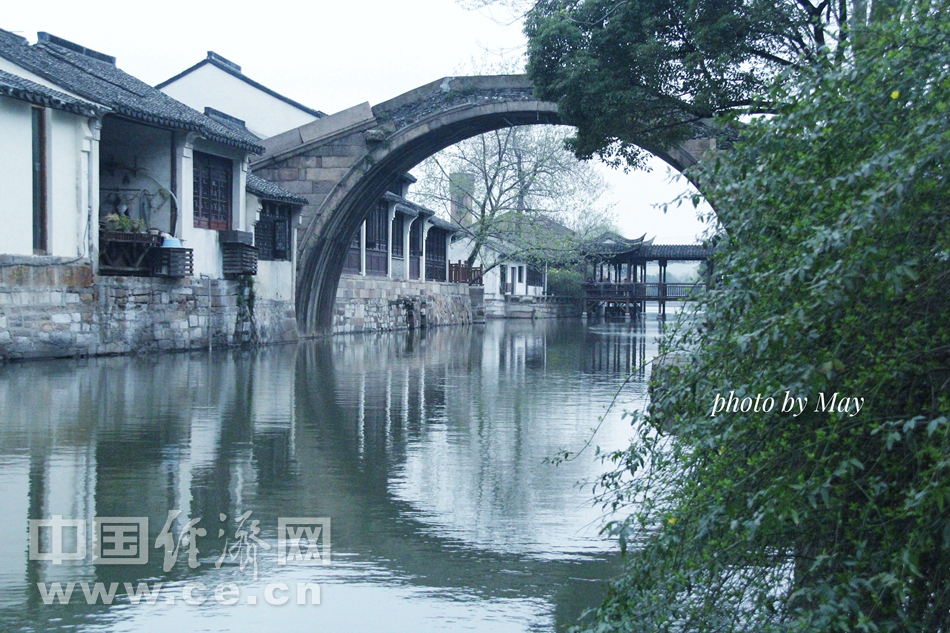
(264, 114)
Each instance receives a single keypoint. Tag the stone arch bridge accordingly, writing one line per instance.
(344, 162)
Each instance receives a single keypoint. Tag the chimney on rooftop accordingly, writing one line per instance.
(46, 38)
(227, 62)
(461, 188)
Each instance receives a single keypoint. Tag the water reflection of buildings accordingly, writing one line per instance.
(134, 437)
(425, 449)
(622, 352)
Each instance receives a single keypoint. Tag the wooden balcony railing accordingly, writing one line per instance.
(126, 253)
(463, 274)
(622, 292)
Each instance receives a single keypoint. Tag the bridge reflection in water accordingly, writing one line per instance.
(425, 450)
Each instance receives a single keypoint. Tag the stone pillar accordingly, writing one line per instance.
(422, 262)
(389, 240)
(239, 206)
(363, 248)
(406, 226)
(184, 167)
(90, 192)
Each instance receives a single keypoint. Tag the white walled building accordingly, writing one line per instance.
(50, 167)
(137, 153)
(503, 275)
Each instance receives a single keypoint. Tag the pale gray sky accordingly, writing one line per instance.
(327, 55)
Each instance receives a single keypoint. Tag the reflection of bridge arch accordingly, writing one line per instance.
(345, 162)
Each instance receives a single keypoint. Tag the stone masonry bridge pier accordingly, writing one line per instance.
(344, 162)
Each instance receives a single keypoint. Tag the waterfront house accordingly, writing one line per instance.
(108, 181)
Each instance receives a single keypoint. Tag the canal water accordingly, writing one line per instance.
(401, 477)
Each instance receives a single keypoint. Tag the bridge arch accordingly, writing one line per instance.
(344, 163)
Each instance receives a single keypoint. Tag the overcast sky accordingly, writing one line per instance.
(327, 55)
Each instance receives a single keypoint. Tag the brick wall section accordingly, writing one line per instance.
(62, 310)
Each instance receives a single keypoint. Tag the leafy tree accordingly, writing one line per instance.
(833, 279)
(645, 73)
(518, 191)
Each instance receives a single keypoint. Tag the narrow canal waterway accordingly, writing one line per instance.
(426, 452)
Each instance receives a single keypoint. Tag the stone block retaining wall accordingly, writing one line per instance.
(526, 307)
(374, 304)
(61, 309)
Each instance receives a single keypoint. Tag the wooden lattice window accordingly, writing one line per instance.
(435, 255)
(272, 233)
(212, 191)
(377, 228)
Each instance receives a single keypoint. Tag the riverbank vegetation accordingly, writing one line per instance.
(833, 276)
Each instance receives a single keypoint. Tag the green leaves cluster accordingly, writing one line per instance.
(833, 276)
(632, 74)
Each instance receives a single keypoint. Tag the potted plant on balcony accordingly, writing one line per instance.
(123, 223)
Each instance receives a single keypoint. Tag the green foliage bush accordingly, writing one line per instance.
(834, 277)
(565, 282)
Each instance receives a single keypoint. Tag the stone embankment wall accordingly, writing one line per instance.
(61, 309)
(375, 304)
(525, 307)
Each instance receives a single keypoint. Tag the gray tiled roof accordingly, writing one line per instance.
(439, 223)
(612, 243)
(682, 252)
(95, 77)
(407, 207)
(266, 190)
(26, 90)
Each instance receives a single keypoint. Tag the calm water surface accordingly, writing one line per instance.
(426, 451)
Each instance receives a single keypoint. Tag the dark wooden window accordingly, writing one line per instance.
(415, 248)
(415, 237)
(272, 235)
(399, 227)
(352, 264)
(535, 276)
(377, 240)
(435, 255)
(212, 191)
(520, 274)
(377, 228)
(40, 241)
